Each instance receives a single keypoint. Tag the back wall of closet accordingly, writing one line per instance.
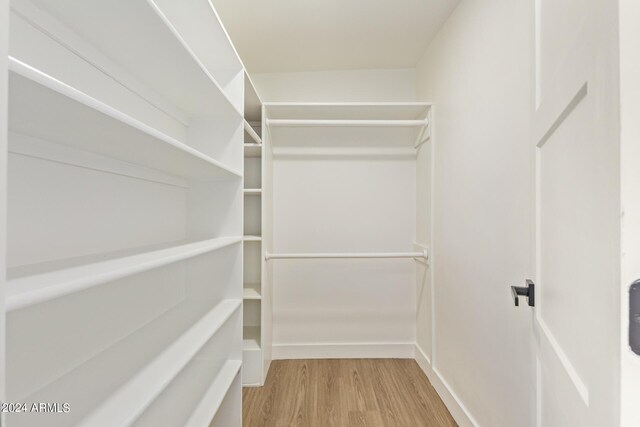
(335, 199)
(338, 86)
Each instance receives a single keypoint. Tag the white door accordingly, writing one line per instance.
(575, 132)
(630, 155)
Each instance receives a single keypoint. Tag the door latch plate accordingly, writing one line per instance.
(634, 317)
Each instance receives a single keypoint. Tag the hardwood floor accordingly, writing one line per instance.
(344, 392)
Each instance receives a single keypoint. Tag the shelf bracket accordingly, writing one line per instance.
(252, 133)
(425, 251)
(424, 135)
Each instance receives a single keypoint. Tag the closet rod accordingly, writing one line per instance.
(335, 123)
(423, 254)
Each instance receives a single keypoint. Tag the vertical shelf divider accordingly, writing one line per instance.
(256, 340)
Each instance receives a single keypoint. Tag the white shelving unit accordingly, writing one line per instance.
(345, 235)
(256, 294)
(383, 128)
(34, 284)
(124, 210)
(46, 108)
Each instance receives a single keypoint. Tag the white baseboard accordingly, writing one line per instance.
(423, 361)
(252, 385)
(265, 371)
(451, 400)
(344, 351)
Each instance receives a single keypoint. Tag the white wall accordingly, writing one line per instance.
(343, 308)
(342, 203)
(630, 154)
(337, 86)
(477, 72)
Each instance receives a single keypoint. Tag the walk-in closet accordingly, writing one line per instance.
(226, 213)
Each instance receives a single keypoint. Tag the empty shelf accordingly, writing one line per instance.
(166, 55)
(43, 107)
(338, 129)
(252, 191)
(41, 282)
(194, 396)
(251, 291)
(128, 402)
(348, 110)
(252, 238)
(347, 122)
(251, 338)
(212, 399)
(137, 369)
(252, 150)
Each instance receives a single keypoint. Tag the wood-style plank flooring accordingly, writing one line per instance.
(344, 392)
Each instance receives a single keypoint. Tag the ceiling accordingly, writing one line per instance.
(320, 35)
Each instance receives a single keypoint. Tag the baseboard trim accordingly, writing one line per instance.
(265, 371)
(458, 411)
(344, 351)
(423, 361)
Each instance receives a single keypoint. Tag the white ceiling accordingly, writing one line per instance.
(315, 35)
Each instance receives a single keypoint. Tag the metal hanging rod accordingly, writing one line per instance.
(357, 123)
(423, 254)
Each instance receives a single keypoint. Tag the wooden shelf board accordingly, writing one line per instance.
(43, 107)
(37, 283)
(252, 191)
(252, 238)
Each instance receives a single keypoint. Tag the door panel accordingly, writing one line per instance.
(577, 171)
(630, 199)
(564, 30)
(561, 405)
(565, 162)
